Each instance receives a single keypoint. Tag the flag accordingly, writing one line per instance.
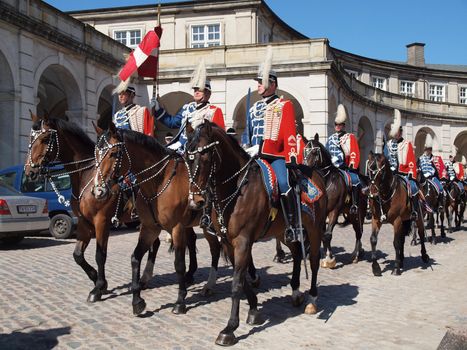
(143, 60)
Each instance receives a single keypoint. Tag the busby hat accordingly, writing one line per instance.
(453, 150)
(428, 141)
(199, 80)
(265, 73)
(341, 114)
(397, 123)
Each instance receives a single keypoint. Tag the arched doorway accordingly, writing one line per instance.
(105, 107)
(7, 114)
(172, 102)
(461, 143)
(239, 116)
(366, 140)
(419, 143)
(59, 94)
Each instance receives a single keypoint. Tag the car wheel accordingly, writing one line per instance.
(12, 240)
(61, 226)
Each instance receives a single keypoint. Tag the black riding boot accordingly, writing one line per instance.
(288, 204)
(415, 207)
(355, 196)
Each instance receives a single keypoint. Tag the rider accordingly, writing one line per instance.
(401, 157)
(132, 116)
(426, 164)
(453, 169)
(345, 154)
(193, 112)
(459, 170)
(272, 136)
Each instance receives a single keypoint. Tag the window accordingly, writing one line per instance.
(205, 35)
(407, 88)
(436, 92)
(354, 74)
(463, 95)
(378, 82)
(8, 179)
(130, 38)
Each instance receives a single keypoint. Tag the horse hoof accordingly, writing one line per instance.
(94, 297)
(256, 282)
(311, 309)
(396, 272)
(226, 339)
(139, 307)
(254, 318)
(179, 309)
(298, 299)
(425, 258)
(328, 263)
(376, 269)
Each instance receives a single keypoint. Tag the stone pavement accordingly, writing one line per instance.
(43, 300)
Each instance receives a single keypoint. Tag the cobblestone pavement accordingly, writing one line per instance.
(43, 300)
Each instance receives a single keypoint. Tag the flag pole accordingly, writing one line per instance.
(155, 83)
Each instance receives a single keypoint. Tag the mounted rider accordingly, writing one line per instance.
(426, 165)
(194, 112)
(401, 156)
(455, 170)
(272, 137)
(345, 155)
(132, 116)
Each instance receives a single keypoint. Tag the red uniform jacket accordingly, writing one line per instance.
(459, 169)
(439, 164)
(407, 162)
(351, 150)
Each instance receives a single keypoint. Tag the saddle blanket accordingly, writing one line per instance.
(461, 186)
(350, 178)
(310, 193)
(436, 184)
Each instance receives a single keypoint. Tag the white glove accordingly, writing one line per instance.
(426, 175)
(155, 104)
(253, 151)
(335, 160)
(175, 146)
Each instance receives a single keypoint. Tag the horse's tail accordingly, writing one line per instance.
(225, 250)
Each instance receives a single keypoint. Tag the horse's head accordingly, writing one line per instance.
(200, 151)
(378, 170)
(112, 161)
(44, 146)
(316, 154)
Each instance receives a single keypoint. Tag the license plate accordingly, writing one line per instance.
(26, 209)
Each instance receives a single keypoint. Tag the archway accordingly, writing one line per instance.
(461, 143)
(419, 142)
(59, 94)
(172, 102)
(239, 116)
(7, 113)
(105, 107)
(366, 140)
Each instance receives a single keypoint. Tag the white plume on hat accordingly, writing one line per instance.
(265, 67)
(395, 126)
(341, 114)
(428, 141)
(464, 161)
(122, 86)
(199, 76)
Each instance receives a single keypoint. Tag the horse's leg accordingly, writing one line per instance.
(375, 227)
(149, 269)
(441, 220)
(215, 249)
(191, 244)
(280, 254)
(254, 278)
(399, 232)
(84, 234)
(297, 296)
(421, 234)
(357, 223)
(146, 240)
(431, 221)
(179, 239)
(329, 260)
(102, 238)
(314, 236)
(242, 254)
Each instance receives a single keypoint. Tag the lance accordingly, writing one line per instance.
(155, 83)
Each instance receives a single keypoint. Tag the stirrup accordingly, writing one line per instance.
(133, 214)
(205, 221)
(414, 215)
(289, 235)
(353, 209)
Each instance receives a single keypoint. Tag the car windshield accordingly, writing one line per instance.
(61, 181)
(6, 190)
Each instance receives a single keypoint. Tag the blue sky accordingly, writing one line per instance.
(373, 28)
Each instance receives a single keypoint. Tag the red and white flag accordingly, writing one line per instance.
(143, 60)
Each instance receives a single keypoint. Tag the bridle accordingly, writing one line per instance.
(378, 195)
(53, 143)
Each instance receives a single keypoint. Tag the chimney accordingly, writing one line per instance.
(416, 54)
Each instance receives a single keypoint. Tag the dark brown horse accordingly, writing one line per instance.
(58, 140)
(339, 201)
(390, 203)
(162, 203)
(454, 199)
(242, 214)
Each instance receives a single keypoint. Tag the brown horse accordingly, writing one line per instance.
(58, 140)
(162, 203)
(338, 201)
(242, 214)
(454, 202)
(389, 202)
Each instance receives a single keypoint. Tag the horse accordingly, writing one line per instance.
(338, 201)
(453, 205)
(162, 203)
(53, 140)
(222, 172)
(432, 199)
(390, 202)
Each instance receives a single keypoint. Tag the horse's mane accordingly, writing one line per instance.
(323, 149)
(69, 128)
(148, 142)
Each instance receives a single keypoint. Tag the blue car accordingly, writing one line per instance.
(62, 219)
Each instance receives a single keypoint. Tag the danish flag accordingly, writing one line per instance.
(143, 59)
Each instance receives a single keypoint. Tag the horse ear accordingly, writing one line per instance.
(189, 128)
(99, 131)
(208, 127)
(34, 117)
(371, 155)
(112, 128)
(317, 137)
(46, 115)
